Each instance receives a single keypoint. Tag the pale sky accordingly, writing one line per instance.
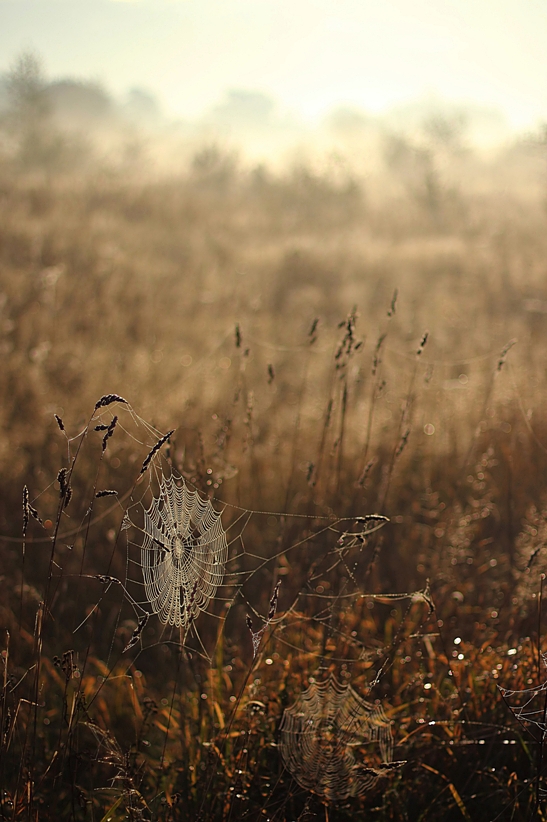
(310, 55)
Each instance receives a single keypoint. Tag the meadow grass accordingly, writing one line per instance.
(220, 303)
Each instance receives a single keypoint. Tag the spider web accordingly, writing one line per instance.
(529, 707)
(321, 734)
(197, 569)
(195, 561)
(190, 554)
(183, 553)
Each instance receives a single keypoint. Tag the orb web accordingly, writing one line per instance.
(192, 559)
(183, 552)
(528, 706)
(321, 733)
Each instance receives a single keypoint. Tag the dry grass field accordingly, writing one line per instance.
(351, 505)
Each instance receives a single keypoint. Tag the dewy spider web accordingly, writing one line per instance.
(189, 554)
(183, 553)
(179, 557)
(320, 734)
(529, 706)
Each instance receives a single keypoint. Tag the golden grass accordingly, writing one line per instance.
(113, 284)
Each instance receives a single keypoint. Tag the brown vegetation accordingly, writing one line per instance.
(195, 297)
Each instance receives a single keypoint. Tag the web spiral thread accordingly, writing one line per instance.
(183, 553)
(320, 734)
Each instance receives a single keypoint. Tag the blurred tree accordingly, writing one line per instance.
(142, 107)
(415, 167)
(213, 167)
(446, 130)
(28, 115)
(79, 103)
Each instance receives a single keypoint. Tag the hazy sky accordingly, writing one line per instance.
(310, 55)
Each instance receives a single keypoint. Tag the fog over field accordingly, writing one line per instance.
(273, 451)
